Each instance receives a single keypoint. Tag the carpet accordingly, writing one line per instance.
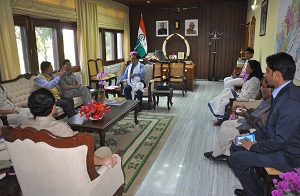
(140, 143)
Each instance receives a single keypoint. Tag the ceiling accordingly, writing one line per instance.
(166, 2)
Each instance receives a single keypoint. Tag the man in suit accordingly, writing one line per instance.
(162, 30)
(277, 143)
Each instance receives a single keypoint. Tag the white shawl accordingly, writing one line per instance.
(135, 82)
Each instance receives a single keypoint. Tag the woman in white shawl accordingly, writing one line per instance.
(134, 76)
(220, 104)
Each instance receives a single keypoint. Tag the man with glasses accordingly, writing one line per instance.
(134, 75)
(45, 80)
(253, 119)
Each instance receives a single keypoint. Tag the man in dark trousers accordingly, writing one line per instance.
(277, 143)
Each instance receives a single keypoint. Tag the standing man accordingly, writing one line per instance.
(70, 87)
(232, 80)
(277, 143)
(162, 30)
(134, 75)
(45, 80)
(191, 30)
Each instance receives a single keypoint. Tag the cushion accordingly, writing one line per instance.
(19, 91)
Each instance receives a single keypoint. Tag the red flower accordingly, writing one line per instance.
(95, 110)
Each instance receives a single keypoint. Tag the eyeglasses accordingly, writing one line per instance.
(133, 58)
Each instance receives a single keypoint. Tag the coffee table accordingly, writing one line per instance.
(78, 123)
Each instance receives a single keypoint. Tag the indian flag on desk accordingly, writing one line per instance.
(141, 43)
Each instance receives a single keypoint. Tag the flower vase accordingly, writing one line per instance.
(101, 97)
(91, 118)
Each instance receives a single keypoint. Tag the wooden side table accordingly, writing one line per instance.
(160, 93)
(10, 186)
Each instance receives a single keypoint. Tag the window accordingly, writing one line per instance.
(120, 41)
(46, 43)
(111, 46)
(22, 45)
(69, 45)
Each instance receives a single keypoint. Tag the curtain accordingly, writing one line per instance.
(9, 59)
(87, 35)
(126, 37)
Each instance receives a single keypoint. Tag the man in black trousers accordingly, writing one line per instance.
(277, 143)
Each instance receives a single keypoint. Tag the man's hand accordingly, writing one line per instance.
(132, 75)
(246, 143)
(61, 73)
(110, 161)
(242, 110)
(77, 86)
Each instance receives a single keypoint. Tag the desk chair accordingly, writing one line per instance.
(177, 74)
(161, 73)
(48, 165)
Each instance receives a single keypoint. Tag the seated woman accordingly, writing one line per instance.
(220, 104)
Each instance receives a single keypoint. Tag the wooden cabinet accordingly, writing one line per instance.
(191, 76)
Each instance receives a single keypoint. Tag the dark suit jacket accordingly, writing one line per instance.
(278, 142)
(162, 31)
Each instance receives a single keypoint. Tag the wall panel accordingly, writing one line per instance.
(212, 16)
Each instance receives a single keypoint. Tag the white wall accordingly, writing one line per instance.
(264, 45)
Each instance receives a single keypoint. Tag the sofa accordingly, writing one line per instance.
(18, 91)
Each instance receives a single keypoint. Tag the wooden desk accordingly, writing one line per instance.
(191, 77)
(81, 123)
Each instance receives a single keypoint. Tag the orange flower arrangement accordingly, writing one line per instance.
(95, 110)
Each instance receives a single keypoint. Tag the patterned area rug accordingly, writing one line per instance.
(140, 143)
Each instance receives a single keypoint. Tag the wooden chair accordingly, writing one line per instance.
(93, 71)
(161, 74)
(46, 164)
(267, 174)
(177, 74)
(110, 76)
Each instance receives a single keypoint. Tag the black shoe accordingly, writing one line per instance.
(140, 108)
(240, 192)
(221, 158)
(208, 154)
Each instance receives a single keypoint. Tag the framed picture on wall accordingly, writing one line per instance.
(162, 28)
(263, 17)
(191, 27)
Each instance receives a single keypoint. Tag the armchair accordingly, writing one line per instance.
(160, 74)
(46, 164)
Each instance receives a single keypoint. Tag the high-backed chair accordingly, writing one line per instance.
(46, 164)
(93, 71)
(110, 76)
(177, 74)
(161, 74)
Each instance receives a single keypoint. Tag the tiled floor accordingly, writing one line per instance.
(180, 168)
